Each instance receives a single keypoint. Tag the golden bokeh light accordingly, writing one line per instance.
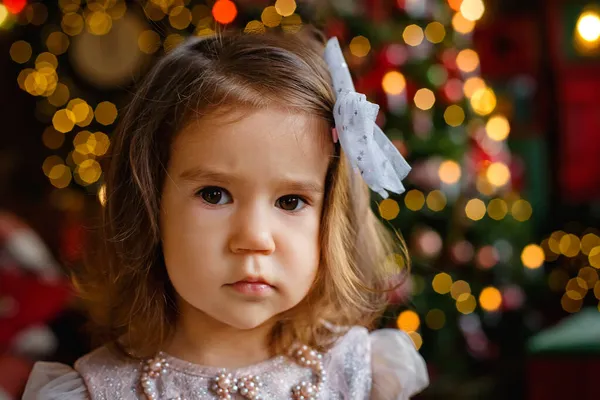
(98, 23)
(490, 299)
(69, 6)
(255, 27)
(285, 8)
(416, 339)
(589, 275)
(52, 138)
(532, 256)
(414, 200)
(436, 200)
(270, 17)
(521, 210)
(557, 279)
(576, 288)
(588, 242)
(424, 99)
(497, 128)
(393, 82)
(63, 176)
(472, 9)
(461, 24)
(149, 41)
(50, 162)
(467, 60)
(36, 13)
(466, 303)
(389, 209)
(435, 32)
(60, 96)
(435, 319)
(498, 174)
(484, 101)
(569, 245)
(475, 209)
(72, 24)
(360, 46)
(57, 43)
(291, 24)
(473, 85)
(413, 35)
(3, 14)
(63, 120)
(497, 209)
(441, 283)
(449, 172)
(594, 257)
(570, 305)
(82, 111)
(106, 113)
(454, 115)
(20, 51)
(459, 287)
(89, 171)
(408, 321)
(180, 17)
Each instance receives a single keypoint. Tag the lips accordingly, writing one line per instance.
(253, 286)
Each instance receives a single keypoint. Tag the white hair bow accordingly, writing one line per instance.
(366, 146)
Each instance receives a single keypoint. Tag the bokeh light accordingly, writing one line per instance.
(497, 209)
(472, 9)
(441, 283)
(416, 339)
(389, 209)
(467, 60)
(490, 299)
(225, 11)
(454, 115)
(498, 174)
(466, 303)
(413, 35)
(414, 200)
(569, 245)
(436, 200)
(461, 24)
(57, 43)
(521, 210)
(532, 256)
(435, 32)
(20, 51)
(270, 17)
(475, 209)
(393, 82)
(449, 172)
(484, 101)
(408, 321)
(497, 128)
(424, 99)
(106, 113)
(285, 7)
(255, 27)
(588, 26)
(594, 257)
(458, 288)
(360, 46)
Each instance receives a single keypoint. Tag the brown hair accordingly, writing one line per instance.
(127, 289)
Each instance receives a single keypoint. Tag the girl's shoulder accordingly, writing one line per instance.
(51, 380)
(387, 358)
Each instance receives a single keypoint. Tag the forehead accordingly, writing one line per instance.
(250, 142)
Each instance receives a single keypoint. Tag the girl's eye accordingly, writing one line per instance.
(214, 195)
(291, 203)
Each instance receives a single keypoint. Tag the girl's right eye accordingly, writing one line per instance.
(214, 195)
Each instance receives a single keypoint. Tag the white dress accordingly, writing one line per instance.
(382, 365)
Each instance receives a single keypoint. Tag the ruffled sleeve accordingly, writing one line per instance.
(399, 371)
(50, 381)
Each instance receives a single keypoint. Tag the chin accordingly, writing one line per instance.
(247, 323)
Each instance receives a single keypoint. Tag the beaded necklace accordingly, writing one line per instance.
(227, 386)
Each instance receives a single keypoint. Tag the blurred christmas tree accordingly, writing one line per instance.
(465, 224)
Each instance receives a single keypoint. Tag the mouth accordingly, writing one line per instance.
(252, 286)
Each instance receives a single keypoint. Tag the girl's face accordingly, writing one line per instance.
(240, 215)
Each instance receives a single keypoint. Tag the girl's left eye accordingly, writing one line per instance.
(291, 203)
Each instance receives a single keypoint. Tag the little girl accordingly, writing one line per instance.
(243, 260)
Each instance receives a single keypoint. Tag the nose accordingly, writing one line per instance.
(252, 231)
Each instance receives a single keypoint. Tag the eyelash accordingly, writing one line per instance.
(217, 188)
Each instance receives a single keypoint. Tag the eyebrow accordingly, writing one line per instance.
(198, 174)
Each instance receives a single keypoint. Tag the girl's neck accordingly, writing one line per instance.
(202, 340)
